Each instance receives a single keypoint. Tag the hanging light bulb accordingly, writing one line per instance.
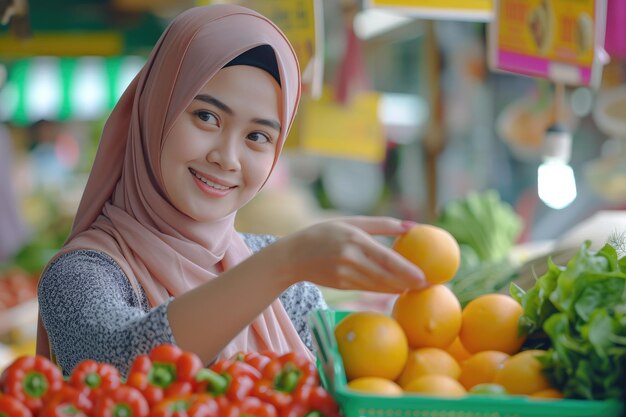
(555, 178)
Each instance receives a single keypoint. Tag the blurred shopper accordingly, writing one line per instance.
(13, 231)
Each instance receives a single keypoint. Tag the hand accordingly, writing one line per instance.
(343, 254)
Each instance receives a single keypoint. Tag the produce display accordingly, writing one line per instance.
(564, 340)
(168, 382)
(578, 313)
(413, 342)
(16, 287)
(18, 312)
(487, 329)
(557, 349)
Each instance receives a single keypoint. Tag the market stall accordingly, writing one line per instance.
(498, 126)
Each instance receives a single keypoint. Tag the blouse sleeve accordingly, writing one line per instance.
(90, 310)
(299, 301)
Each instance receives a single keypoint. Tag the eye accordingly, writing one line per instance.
(206, 117)
(258, 137)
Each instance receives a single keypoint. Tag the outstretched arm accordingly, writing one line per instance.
(339, 254)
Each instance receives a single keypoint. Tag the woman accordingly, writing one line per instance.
(153, 256)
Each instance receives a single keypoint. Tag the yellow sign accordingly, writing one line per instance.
(301, 21)
(62, 44)
(555, 39)
(352, 131)
(474, 10)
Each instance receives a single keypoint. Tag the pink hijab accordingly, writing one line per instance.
(124, 210)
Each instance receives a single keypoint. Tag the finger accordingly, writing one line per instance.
(380, 225)
(383, 268)
(360, 277)
(394, 264)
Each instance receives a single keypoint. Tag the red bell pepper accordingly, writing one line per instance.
(221, 365)
(295, 393)
(67, 402)
(94, 377)
(166, 371)
(296, 410)
(226, 407)
(197, 405)
(264, 390)
(289, 371)
(235, 379)
(11, 407)
(254, 407)
(321, 400)
(311, 401)
(256, 359)
(123, 401)
(30, 378)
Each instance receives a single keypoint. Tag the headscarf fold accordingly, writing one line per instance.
(124, 211)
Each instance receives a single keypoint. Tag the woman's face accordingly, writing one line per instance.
(220, 150)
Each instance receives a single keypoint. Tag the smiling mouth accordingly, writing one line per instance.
(209, 182)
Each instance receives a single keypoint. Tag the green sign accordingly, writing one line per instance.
(51, 88)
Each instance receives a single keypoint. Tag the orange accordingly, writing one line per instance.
(428, 361)
(375, 385)
(481, 368)
(458, 351)
(522, 374)
(371, 344)
(490, 322)
(430, 317)
(549, 393)
(432, 249)
(436, 385)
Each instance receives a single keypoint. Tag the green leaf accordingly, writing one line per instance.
(584, 261)
(483, 222)
(599, 331)
(517, 292)
(597, 291)
(536, 302)
(558, 328)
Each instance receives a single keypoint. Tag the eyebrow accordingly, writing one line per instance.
(212, 100)
(222, 106)
(269, 123)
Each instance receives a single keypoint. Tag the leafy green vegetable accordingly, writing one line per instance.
(483, 222)
(473, 281)
(486, 229)
(581, 309)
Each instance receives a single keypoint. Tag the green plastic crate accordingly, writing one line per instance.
(330, 366)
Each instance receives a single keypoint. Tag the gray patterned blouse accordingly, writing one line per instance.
(90, 310)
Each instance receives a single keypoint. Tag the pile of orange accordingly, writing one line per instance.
(429, 345)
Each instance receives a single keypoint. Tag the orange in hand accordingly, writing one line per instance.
(432, 249)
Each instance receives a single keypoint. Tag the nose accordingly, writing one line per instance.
(225, 152)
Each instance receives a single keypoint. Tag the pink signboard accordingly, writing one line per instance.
(560, 40)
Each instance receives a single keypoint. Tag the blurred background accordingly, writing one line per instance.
(404, 114)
